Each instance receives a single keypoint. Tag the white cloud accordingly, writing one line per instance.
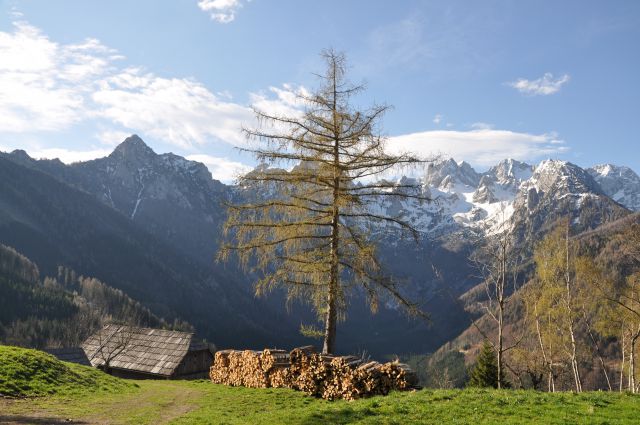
(481, 126)
(544, 85)
(481, 147)
(223, 11)
(35, 93)
(112, 137)
(285, 101)
(47, 86)
(178, 111)
(437, 119)
(222, 169)
(43, 85)
(68, 156)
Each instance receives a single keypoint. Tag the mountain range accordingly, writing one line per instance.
(149, 224)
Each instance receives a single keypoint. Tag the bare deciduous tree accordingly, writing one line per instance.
(560, 294)
(497, 261)
(111, 341)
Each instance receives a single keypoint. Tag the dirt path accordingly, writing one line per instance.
(27, 416)
(157, 404)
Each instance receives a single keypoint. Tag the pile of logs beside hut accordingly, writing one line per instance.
(329, 377)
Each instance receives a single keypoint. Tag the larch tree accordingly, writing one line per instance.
(312, 235)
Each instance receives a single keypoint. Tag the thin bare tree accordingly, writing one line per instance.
(313, 236)
(497, 260)
(624, 296)
(560, 293)
(110, 342)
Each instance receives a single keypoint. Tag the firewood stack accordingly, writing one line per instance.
(302, 369)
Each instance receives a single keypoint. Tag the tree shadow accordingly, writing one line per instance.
(21, 419)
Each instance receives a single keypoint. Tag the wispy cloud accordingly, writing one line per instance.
(287, 100)
(223, 11)
(43, 84)
(49, 87)
(437, 119)
(481, 126)
(543, 86)
(222, 169)
(480, 147)
(179, 111)
(68, 156)
(401, 43)
(112, 137)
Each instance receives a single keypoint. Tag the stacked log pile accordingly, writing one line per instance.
(302, 369)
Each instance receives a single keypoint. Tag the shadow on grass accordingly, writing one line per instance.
(20, 419)
(338, 416)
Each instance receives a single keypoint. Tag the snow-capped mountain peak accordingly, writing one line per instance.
(446, 173)
(510, 171)
(552, 175)
(620, 183)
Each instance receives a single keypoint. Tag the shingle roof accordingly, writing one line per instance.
(72, 355)
(146, 350)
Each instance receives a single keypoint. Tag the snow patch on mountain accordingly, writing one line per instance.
(621, 184)
(461, 197)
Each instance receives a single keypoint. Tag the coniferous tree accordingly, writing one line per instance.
(313, 236)
(485, 371)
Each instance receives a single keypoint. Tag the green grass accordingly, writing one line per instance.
(28, 373)
(83, 394)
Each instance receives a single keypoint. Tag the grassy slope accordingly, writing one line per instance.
(201, 402)
(79, 392)
(26, 372)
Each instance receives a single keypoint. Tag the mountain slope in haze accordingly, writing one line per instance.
(55, 224)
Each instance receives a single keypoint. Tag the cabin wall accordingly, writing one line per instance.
(195, 365)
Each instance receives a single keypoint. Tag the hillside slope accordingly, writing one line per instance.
(55, 224)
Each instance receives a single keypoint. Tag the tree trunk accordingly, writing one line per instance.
(551, 381)
(574, 360)
(500, 351)
(632, 362)
(622, 362)
(330, 324)
(598, 352)
(332, 313)
(502, 283)
(567, 277)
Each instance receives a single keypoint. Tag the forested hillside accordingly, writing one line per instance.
(572, 322)
(62, 310)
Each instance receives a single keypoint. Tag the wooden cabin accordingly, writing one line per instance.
(145, 353)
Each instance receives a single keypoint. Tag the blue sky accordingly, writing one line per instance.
(476, 80)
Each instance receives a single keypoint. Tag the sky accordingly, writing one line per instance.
(479, 81)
